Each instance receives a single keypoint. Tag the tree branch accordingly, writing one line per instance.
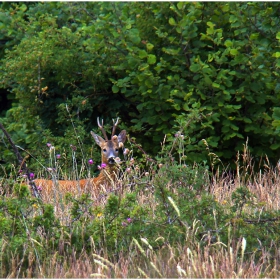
(21, 162)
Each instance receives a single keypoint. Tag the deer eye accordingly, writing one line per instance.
(117, 150)
(104, 150)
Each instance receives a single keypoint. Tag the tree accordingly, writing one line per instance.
(150, 63)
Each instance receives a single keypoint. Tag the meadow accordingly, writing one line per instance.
(191, 81)
(163, 218)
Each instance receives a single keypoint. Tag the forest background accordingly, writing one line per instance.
(151, 64)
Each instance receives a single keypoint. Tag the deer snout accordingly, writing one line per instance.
(111, 160)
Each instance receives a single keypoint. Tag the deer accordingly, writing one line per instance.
(109, 171)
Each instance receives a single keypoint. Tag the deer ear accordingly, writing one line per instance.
(99, 140)
(122, 136)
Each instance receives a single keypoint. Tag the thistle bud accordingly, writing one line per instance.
(126, 151)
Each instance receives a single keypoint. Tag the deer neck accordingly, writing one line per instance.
(109, 171)
(107, 176)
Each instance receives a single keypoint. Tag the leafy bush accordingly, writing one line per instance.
(149, 63)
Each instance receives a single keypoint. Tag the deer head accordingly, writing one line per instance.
(109, 148)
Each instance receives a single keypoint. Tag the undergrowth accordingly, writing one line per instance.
(165, 219)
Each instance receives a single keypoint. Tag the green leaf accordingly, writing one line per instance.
(115, 89)
(134, 36)
(211, 29)
(254, 36)
(275, 146)
(195, 68)
(181, 5)
(233, 51)
(211, 24)
(143, 54)
(186, 107)
(228, 43)
(149, 46)
(172, 21)
(152, 59)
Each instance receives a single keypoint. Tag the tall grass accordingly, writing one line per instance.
(211, 261)
(150, 198)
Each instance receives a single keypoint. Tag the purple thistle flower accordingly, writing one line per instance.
(90, 161)
(129, 220)
(103, 165)
(49, 145)
(31, 175)
(58, 156)
(74, 148)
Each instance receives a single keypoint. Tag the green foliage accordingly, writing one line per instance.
(254, 224)
(240, 197)
(23, 223)
(160, 203)
(149, 63)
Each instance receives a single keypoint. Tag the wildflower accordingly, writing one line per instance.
(128, 170)
(117, 160)
(35, 205)
(74, 148)
(124, 224)
(126, 151)
(103, 165)
(146, 174)
(58, 156)
(49, 145)
(178, 134)
(99, 215)
(31, 175)
(90, 161)
(131, 161)
(129, 220)
(160, 165)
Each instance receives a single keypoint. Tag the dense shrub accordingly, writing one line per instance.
(151, 64)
